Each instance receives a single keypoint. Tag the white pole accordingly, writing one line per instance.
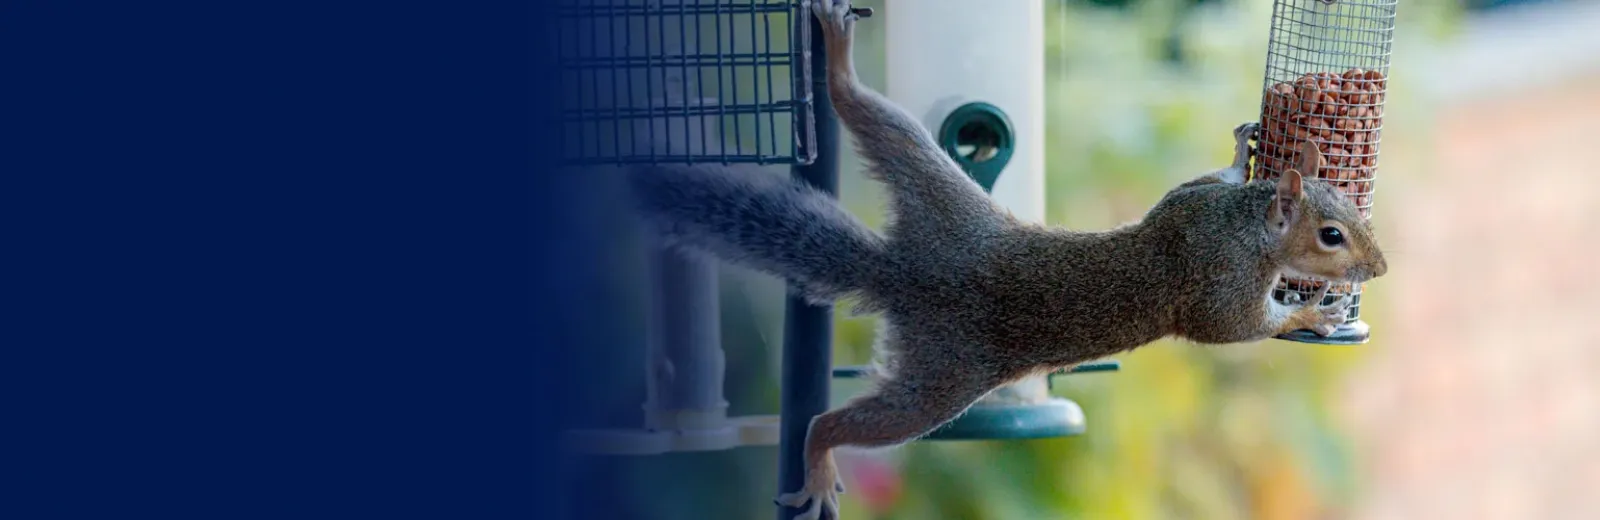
(945, 53)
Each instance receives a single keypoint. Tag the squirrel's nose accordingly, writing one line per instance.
(1379, 268)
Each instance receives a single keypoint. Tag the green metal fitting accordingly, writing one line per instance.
(1055, 417)
(981, 139)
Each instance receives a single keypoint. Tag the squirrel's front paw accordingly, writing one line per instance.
(835, 15)
(1312, 315)
(1329, 317)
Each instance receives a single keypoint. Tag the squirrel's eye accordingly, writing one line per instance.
(1330, 236)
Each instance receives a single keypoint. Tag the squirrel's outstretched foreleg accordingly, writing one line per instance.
(930, 197)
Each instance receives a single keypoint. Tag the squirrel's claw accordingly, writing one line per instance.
(835, 14)
(1241, 149)
(821, 491)
(1324, 320)
(1246, 131)
(1321, 294)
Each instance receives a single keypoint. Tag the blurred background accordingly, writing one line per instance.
(1476, 398)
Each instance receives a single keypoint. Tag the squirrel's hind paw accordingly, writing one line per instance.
(828, 499)
(821, 490)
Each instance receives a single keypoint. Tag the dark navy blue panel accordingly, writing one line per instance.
(287, 260)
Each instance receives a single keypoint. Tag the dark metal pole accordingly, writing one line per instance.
(808, 329)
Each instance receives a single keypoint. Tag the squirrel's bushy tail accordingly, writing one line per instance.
(750, 217)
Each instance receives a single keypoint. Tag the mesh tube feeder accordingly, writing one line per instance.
(1326, 81)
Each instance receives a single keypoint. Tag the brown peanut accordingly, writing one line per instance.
(1341, 112)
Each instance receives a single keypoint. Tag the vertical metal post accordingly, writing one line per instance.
(808, 329)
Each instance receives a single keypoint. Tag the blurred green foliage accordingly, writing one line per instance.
(1141, 95)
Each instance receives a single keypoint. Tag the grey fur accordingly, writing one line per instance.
(749, 217)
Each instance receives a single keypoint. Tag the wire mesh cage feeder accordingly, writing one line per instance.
(1326, 82)
(684, 81)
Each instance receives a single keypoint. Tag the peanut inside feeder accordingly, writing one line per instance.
(1341, 113)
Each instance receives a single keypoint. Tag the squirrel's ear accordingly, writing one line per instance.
(1285, 203)
(1289, 185)
(1310, 159)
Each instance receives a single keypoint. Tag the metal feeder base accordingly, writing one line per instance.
(1353, 333)
(1055, 417)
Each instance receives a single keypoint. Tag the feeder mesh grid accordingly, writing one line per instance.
(684, 81)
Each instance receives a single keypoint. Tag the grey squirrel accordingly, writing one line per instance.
(972, 298)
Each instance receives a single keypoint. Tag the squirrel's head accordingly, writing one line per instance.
(1323, 233)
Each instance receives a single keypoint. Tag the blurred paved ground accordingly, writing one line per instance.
(1483, 400)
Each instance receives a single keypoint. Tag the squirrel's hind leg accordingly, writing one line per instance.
(925, 391)
(1239, 171)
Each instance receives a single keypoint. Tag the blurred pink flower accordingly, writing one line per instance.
(872, 478)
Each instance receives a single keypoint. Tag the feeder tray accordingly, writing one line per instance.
(1326, 82)
(1055, 417)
